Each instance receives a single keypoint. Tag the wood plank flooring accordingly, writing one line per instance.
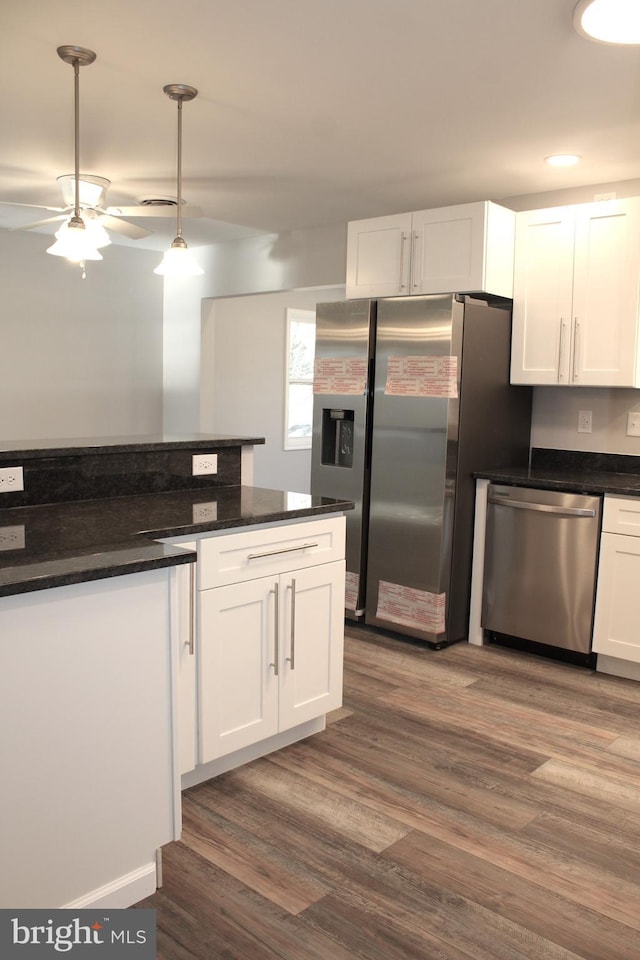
(464, 804)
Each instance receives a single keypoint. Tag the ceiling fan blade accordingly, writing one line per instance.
(40, 223)
(168, 211)
(33, 206)
(130, 230)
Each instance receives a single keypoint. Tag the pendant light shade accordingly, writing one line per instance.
(178, 260)
(609, 21)
(76, 243)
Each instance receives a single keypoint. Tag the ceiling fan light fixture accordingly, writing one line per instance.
(95, 233)
(93, 190)
(608, 21)
(178, 261)
(75, 243)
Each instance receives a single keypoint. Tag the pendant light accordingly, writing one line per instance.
(178, 261)
(73, 240)
(609, 21)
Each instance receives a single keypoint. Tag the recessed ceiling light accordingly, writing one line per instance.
(563, 159)
(609, 21)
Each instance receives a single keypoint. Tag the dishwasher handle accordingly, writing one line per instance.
(505, 501)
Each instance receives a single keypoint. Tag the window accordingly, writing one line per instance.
(301, 342)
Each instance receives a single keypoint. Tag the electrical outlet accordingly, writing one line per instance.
(204, 463)
(11, 479)
(12, 538)
(584, 421)
(633, 424)
(205, 512)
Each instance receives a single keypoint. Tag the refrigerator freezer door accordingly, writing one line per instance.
(413, 464)
(340, 445)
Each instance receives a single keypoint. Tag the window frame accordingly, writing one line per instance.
(295, 315)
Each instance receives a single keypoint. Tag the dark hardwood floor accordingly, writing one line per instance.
(465, 804)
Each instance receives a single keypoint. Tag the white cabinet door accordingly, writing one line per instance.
(237, 682)
(606, 293)
(542, 297)
(378, 256)
(616, 632)
(312, 643)
(271, 656)
(576, 295)
(464, 248)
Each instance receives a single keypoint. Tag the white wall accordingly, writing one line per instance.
(243, 378)
(299, 259)
(78, 357)
(555, 419)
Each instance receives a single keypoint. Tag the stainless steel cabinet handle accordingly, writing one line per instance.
(576, 330)
(192, 600)
(292, 658)
(276, 628)
(540, 507)
(561, 348)
(415, 285)
(273, 553)
(403, 242)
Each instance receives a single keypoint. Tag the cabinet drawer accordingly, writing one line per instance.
(621, 515)
(263, 552)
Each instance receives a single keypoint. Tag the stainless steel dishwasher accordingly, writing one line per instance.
(541, 555)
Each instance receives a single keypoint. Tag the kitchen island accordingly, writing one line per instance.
(94, 626)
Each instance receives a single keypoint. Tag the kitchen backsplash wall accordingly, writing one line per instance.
(555, 419)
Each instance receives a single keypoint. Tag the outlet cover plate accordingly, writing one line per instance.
(12, 538)
(204, 463)
(584, 421)
(633, 424)
(205, 512)
(11, 479)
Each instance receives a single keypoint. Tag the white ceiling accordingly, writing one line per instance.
(311, 112)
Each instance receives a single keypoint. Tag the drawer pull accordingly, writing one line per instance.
(276, 629)
(273, 553)
(292, 658)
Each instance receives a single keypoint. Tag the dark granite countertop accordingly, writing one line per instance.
(76, 541)
(596, 482)
(576, 471)
(38, 449)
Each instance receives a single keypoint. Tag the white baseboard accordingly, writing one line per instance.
(121, 892)
(206, 771)
(618, 668)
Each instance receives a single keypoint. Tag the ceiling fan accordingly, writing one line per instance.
(92, 202)
(84, 214)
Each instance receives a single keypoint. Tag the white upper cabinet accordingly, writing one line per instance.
(467, 248)
(576, 295)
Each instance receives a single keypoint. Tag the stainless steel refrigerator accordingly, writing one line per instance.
(411, 395)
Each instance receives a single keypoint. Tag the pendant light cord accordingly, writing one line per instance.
(179, 215)
(76, 74)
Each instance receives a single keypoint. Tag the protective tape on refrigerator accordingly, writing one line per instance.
(422, 377)
(340, 375)
(411, 607)
(351, 584)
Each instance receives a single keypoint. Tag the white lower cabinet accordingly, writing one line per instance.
(263, 654)
(616, 634)
(270, 656)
